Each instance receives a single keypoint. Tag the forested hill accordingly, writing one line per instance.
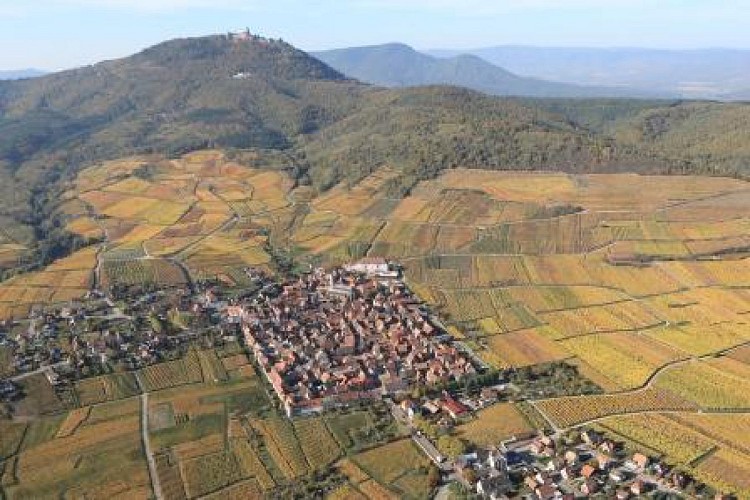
(225, 92)
(175, 97)
(231, 93)
(704, 138)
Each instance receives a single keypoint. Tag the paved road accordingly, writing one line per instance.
(41, 369)
(444, 464)
(156, 485)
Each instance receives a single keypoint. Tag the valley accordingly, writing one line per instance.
(228, 270)
(640, 282)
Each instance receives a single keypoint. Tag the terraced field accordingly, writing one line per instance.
(196, 213)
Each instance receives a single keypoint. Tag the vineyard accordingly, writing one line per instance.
(209, 473)
(727, 469)
(707, 386)
(542, 299)
(398, 465)
(627, 359)
(169, 477)
(142, 272)
(93, 459)
(111, 387)
(625, 316)
(527, 292)
(711, 447)
(522, 348)
(211, 366)
(281, 442)
(74, 419)
(173, 373)
(660, 434)
(576, 410)
(319, 446)
(701, 340)
(224, 440)
(496, 423)
(251, 464)
(64, 280)
(208, 445)
(527, 268)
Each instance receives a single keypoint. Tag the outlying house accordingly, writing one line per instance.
(489, 471)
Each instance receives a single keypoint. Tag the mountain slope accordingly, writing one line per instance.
(188, 94)
(174, 97)
(270, 103)
(706, 136)
(695, 74)
(424, 130)
(398, 65)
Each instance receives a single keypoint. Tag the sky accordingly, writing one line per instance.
(58, 34)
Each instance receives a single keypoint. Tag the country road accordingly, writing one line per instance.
(155, 484)
(41, 369)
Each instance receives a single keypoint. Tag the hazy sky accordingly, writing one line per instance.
(55, 34)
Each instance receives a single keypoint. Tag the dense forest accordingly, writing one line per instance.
(263, 94)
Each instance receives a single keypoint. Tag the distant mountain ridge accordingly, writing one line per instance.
(399, 65)
(17, 74)
(691, 74)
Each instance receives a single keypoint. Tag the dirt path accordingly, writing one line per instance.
(91, 212)
(155, 484)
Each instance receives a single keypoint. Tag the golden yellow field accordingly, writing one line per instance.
(523, 348)
(573, 411)
(708, 384)
(627, 359)
(494, 424)
(661, 434)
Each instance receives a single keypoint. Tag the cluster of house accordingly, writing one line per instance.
(332, 337)
(78, 339)
(548, 469)
(445, 407)
(113, 340)
(487, 471)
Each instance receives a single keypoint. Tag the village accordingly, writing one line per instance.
(332, 337)
(336, 337)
